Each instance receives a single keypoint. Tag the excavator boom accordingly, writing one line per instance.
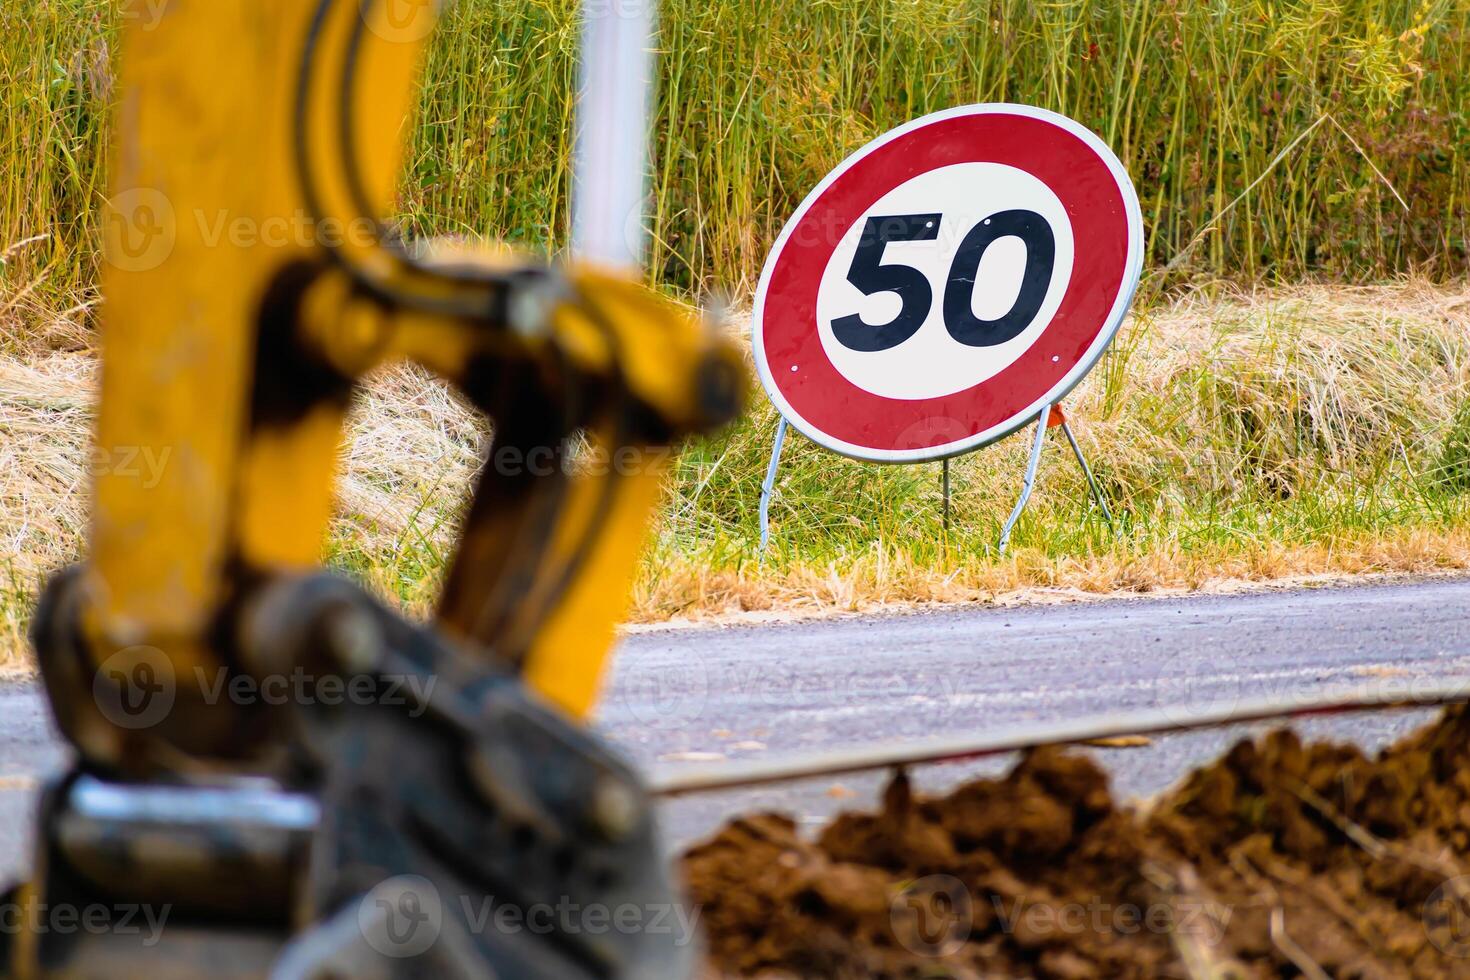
(251, 283)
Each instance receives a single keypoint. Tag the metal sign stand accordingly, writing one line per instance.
(769, 487)
(1043, 422)
(946, 495)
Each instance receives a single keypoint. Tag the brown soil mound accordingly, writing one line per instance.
(1278, 859)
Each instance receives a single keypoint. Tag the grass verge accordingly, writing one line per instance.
(758, 101)
(1307, 431)
(1247, 436)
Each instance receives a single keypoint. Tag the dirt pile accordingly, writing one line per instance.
(1279, 859)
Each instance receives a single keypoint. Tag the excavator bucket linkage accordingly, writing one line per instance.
(358, 825)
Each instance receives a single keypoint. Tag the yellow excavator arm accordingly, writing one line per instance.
(250, 284)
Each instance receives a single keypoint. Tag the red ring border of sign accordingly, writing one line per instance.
(1089, 317)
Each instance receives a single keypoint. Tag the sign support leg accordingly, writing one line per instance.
(1097, 494)
(769, 487)
(1030, 481)
(946, 496)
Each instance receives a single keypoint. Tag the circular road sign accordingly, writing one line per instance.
(946, 281)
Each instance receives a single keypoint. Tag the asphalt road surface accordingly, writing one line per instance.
(711, 696)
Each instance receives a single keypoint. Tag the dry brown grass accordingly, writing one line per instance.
(1206, 395)
(890, 580)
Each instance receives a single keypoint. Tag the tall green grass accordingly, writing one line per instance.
(759, 100)
(1307, 410)
(55, 86)
(1270, 140)
(1315, 429)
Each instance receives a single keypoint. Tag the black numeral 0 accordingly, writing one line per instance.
(959, 294)
(869, 274)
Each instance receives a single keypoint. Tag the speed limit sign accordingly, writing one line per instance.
(947, 282)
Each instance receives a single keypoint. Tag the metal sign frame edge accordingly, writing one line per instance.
(1133, 273)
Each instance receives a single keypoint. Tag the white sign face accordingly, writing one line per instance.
(957, 199)
(946, 281)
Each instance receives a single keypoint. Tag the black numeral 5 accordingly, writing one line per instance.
(869, 274)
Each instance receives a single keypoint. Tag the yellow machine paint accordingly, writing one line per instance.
(206, 211)
(250, 285)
